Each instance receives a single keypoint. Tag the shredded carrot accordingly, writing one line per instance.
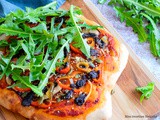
(43, 105)
(22, 89)
(78, 90)
(64, 86)
(76, 50)
(64, 70)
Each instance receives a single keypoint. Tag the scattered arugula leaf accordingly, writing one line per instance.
(135, 23)
(146, 91)
(143, 16)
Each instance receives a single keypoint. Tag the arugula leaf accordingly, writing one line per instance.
(144, 19)
(154, 45)
(89, 27)
(14, 30)
(34, 15)
(26, 67)
(2, 20)
(3, 43)
(155, 29)
(79, 41)
(18, 84)
(21, 64)
(133, 22)
(51, 65)
(154, 36)
(25, 81)
(7, 59)
(149, 8)
(146, 91)
(102, 1)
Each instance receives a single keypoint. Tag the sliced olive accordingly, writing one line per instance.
(65, 52)
(68, 95)
(45, 90)
(28, 99)
(58, 19)
(80, 99)
(80, 83)
(93, 74)
(99, 42)
(72, 85)
(84, 77)
(94, 52)
(86, 35)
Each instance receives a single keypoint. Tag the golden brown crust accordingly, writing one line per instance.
(10, 100)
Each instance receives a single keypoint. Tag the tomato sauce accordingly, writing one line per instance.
(3, 83)
(68, 108)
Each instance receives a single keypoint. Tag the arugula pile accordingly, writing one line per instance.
(146, 91)
(39, 49)
(143, 16)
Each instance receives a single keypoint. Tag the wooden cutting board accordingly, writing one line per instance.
(125, 100)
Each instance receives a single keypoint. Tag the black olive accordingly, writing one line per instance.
(93, 75)
(86, 35)
(28, 60)
(36, 82)
(80, 83)
(45, 90)
(72, 85)
(19, 54)
(94, 52)
(89, 59)
(84, 77)
(50, 58)
(58, 19)
(28, 99)
(43, 70)
(55, 84)
(80, 99)
(19, 93)
(98, 72)
(99, 42)
(65, 52)
(66, 64)
(68, 95)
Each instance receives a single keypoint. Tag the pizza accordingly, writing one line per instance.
(57, 64)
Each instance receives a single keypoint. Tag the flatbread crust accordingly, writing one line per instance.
(10, 100)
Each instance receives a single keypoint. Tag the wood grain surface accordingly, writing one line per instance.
(125, 100)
